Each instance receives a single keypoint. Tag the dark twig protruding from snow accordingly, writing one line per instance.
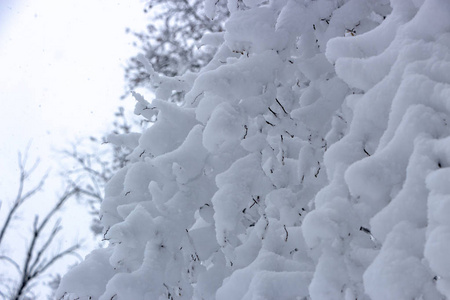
(274, 113)
(364, 229)
(104, 235)
(282, 107)
(318, 170)
(374, 240)
(270, 123)
(255, 201)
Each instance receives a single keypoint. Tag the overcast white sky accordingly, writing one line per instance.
(61, 70)
(61, 77)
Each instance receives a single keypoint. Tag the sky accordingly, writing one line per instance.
(61, 72)
(61, 78)
(61, 67)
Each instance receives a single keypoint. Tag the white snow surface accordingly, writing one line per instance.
(309, 160)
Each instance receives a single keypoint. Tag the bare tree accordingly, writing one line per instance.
(171, 40)
(38, 258)
(93, 162)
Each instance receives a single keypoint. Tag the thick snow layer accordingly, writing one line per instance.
(309, 160)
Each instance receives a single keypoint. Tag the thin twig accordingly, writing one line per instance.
(282, 107)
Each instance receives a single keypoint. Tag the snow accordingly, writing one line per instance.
(87, 285)
(308, 159)
(223, 130)
(399, 269)
(210, 8)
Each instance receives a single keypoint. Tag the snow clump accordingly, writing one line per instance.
(309, 160)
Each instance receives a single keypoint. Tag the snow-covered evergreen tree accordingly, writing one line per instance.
(309, 160)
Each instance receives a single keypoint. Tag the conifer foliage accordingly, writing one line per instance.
(308, 160)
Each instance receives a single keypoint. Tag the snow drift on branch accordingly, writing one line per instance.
(308, 160)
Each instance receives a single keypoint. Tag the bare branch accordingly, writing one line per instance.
(33, 268)
(32, 169)
(36, 189)
(36, 261)
(11, 261)
(69, 251)
(58, 206)
(8, 220)
(282, 107)
(21, 198)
